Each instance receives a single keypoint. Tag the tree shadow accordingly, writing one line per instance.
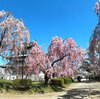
(56, 88)
(5, 85)
(40, 88)
(79, 93)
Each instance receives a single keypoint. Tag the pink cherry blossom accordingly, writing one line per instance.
(13, 35)
(62, 59)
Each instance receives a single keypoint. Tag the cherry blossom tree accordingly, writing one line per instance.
(37, 61)
(94, 44)
(65, 56)
(62, 59)
(13, 34)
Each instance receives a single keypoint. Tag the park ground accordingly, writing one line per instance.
(82, 90)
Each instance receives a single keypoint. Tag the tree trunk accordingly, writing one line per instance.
(22, 65)
(53, 75)
(22, 70)
(26, 76)
(46, 79)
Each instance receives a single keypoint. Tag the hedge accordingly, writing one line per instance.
(67, 80)
(57, 82)
(22, 83)
(97, 78)
(61, 81)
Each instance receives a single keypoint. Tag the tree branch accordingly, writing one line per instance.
(64, 40)
(2, 35)
(59, 59)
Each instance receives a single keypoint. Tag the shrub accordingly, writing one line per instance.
(67, 79)
(57, 82)
(71, 79)
(22, 83)
(97, 78)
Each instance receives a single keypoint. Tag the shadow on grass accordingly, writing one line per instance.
(56, 88)
(79, 93)
(5, 85)
(36, 87)
(42, 88)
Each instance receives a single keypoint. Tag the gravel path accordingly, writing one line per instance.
(75, 91)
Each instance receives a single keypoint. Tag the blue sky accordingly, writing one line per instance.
(48, 18)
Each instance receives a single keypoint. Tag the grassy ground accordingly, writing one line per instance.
(37, 87)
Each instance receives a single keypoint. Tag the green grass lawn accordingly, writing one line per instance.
(36, 87)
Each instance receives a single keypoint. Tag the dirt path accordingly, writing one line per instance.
(75, 91)
(82, 91)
